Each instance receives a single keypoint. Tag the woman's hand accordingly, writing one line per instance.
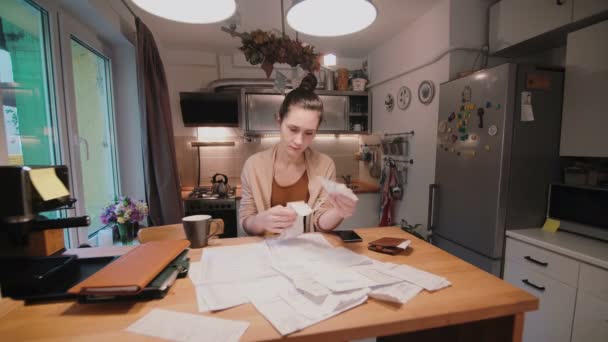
(275, 219)
(344, 205)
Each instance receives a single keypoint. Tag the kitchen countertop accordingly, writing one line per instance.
(477, 304)
(592, 251)
(362, 187)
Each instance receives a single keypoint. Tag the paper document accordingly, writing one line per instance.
(396, 293)
(375, 273)
(303, 210)
(236, 263)
(179, 326)
(426, 280)
(220, 296)
(48, 185)
(340, 280)
(335, 187)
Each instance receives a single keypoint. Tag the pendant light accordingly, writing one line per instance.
(327, 18)
(189, 11)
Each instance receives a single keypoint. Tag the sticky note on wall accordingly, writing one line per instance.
(551, 225)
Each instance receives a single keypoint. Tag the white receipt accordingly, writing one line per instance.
(220, 296)
(396, 293)
(179, 326)
(375, 273)
(335, 187)
(236, 263)
(303, 210)
(340, 280)
(426, 280)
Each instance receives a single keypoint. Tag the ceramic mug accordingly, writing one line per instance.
(357, 127)
(199, 228)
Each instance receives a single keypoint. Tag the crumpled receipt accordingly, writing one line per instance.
(302, 209)
(335, 187)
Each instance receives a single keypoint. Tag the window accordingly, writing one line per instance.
(26, 91)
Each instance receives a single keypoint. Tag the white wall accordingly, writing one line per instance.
(415, 45)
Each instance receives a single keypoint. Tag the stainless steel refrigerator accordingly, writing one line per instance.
(497, 152)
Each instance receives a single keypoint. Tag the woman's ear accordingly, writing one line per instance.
(278, 119)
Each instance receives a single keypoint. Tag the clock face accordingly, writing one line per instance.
(404, 97)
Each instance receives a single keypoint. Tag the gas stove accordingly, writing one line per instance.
(202, 201)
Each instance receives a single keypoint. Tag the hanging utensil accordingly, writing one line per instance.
(375, 168)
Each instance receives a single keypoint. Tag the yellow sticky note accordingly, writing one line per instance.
(551, 225)
(48, 185)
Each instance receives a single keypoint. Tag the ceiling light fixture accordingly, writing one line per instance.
(189, 11)
(331, 18)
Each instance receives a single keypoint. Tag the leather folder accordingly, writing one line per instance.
(389, 245)
(129, 274)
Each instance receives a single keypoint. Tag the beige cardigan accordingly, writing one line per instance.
(256, 183)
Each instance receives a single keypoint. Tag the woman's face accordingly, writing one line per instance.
(298, 129)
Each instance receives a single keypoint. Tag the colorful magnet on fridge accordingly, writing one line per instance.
(462, 107)
(462, 130)
(467, 93)
(498, 106)
(487, 147)
(467, 115)
(469, 106)
(469, 153)
(473, 137)
(464, 137)
(454, 138)
(492, 130)
(451, 117)
(443, 126)
(449, 129)
(459, 115)
(480, 113)
(488, 104)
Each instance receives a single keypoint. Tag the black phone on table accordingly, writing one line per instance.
(348, 235)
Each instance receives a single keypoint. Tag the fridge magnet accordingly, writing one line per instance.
(480, 113)
(488, 104)
(469, 153)
(497, 106)
(451, 117)
(454, 138)
(487, 147)
(467, 115)
(462, 130)
(527, 114)
(464, 137)
(469, 106)
(473, 137)
(492, 130)
(389, 102)
(449, 129)
(426, 92)
(404, 97)
(462, 107)
(466, 94)
(443, 126)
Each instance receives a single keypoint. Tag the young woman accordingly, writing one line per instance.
(288, 172)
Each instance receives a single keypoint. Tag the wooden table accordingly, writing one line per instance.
(478, 306)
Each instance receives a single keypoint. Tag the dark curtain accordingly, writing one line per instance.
(160, 165)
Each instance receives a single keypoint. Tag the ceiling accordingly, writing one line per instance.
(393, 16)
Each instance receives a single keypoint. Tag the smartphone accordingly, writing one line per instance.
(348, 235)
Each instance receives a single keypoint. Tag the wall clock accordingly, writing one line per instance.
(404, 97)
(426, 92)
(389, 102)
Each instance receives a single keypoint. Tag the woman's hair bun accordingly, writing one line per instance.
(309, 82)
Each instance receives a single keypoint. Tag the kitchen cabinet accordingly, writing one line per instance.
(514, 21)
(260, 108)
(573, 293)
(584, 9)
(584, 118)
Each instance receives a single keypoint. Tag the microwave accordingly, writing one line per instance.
(206, 109)
(580, 209)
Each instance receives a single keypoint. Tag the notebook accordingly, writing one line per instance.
(129, 274)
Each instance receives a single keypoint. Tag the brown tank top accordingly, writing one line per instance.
(298, 191)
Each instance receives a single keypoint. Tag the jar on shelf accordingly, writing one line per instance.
(342, 79)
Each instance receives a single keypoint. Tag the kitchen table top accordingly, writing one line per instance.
(474, 295)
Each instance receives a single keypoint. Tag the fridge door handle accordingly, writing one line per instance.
(431, 214)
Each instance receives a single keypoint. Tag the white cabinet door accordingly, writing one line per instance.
(584, 118)
(553, 321)
(591, 319)
(514, 21)
(586, 8)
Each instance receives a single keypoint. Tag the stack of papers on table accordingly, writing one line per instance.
(295, 283)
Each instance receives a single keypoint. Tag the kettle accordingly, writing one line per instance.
(220, 186)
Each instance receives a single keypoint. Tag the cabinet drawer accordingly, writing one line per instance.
(594, 280)
(553, 321)
(590, 319)
(543, 261)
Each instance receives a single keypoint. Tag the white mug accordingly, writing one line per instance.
(356, 127)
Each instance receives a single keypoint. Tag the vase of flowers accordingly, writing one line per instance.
(125, 213)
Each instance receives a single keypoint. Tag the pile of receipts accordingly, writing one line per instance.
(295, 283)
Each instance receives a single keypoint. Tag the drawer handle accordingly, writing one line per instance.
(540, 263)
(539, 288)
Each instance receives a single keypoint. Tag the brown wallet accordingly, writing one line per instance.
(388, 245)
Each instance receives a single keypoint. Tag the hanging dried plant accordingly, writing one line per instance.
(267, 48)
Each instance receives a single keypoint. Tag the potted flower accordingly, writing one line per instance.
(125, 213)
(359, 78)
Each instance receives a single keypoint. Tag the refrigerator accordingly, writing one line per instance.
(497, 152)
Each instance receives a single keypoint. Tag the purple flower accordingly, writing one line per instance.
(123, 209)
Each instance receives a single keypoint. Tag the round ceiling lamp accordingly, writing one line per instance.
(189, 11)
(331, 18)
